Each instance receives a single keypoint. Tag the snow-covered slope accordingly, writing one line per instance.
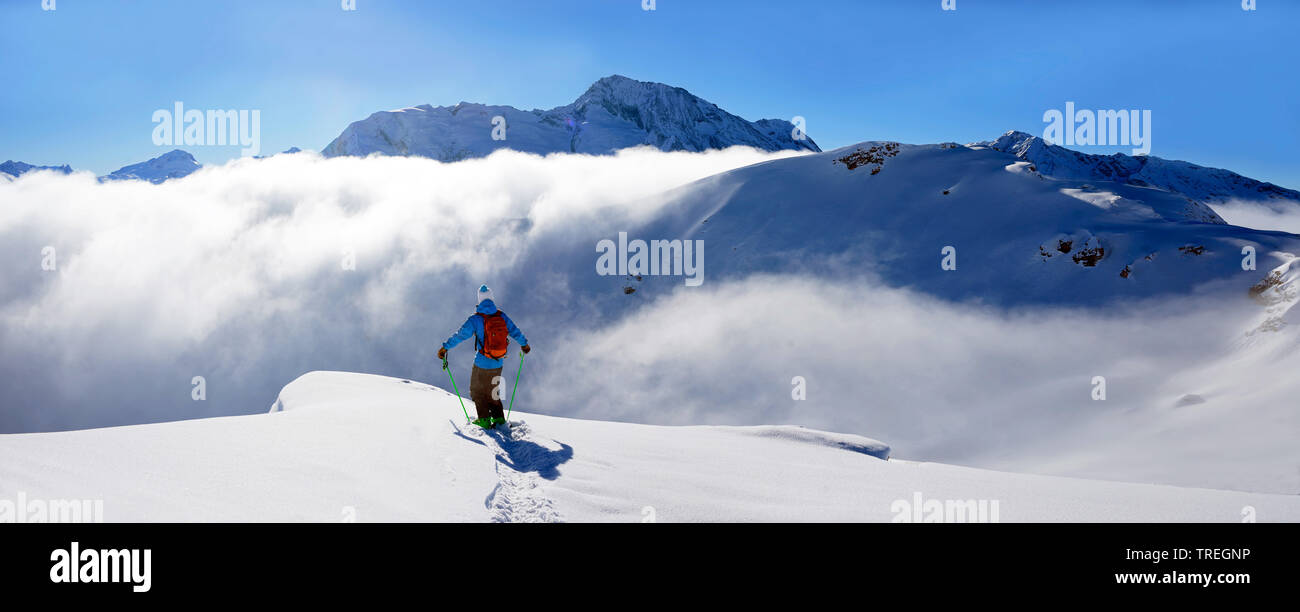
(1199, 184)
(1018, 235)
(1278, 292)
(15, 169)
(170, 165)
(341, 446)
(614, 113)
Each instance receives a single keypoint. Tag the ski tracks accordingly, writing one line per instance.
(518, 496)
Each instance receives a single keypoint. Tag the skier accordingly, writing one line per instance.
(492, 331)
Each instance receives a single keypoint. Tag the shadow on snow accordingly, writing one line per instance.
(525, 455)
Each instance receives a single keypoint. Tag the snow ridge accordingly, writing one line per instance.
(849, 442)
(1199, 184)
(614, 113)
(373, 448)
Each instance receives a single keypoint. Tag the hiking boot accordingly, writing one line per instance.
(485, 423)
(498, 421)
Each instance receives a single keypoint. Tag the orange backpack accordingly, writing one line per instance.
(496, 335)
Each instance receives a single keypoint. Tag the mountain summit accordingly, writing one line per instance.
(614, 113)
(173, 164)
(17, 168)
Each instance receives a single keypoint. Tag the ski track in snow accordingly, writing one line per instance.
(520, 462)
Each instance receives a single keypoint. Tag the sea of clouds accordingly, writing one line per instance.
(253, 273)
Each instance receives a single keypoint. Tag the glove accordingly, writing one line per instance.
(442, 354)
(525, 349)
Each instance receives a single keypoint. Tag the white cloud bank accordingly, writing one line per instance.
(1256, 215)
(957, 383)
(237, 273)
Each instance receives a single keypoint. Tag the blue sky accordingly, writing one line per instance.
(81, 82)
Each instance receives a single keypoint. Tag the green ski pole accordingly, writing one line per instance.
(453, 388)
(516, 389)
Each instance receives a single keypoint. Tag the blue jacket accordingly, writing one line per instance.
(474, 327)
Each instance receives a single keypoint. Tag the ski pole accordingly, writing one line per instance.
(516, 389)
(453, 388)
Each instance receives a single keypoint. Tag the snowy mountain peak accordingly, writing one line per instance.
(175, 154)
(1200, 185)
(289, 151)
(618, 88)
(614, 113)
(616, 80)
(172, 164)
(1011, 140)
(17, 168)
